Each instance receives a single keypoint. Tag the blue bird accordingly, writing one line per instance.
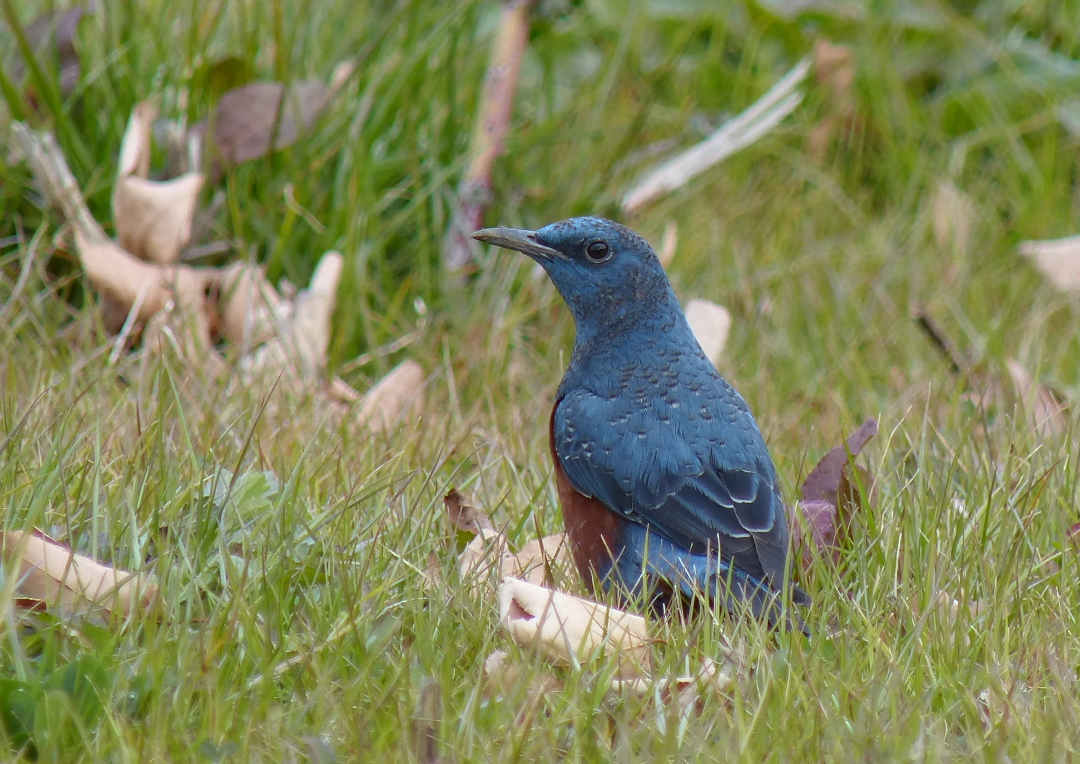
(668, 491)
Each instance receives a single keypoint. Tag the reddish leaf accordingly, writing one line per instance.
(823, 482)
(828, 495)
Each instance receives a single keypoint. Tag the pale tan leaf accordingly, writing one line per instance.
(953, 216)
(392, 396)
(536, 558)
(1046, 412)
(123, 277)
(153, 218)
(51, 574)
(669, 243)
(299, 349)
(711, 324)
(569, 630)
(250, 310)
(1057, 259)
(135, 147)
(501, 676)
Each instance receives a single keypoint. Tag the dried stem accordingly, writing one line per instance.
(489, 136)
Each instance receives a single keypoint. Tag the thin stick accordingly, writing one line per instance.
(489, 136)
(761, 117)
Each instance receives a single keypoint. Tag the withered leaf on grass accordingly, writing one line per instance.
(953, 215)
(463, 516)
(395, 394)
(711, 324)
(153, 219)
(828, 494)
(569, 630)
(51, 574)
(245, 118)
(1057, 259)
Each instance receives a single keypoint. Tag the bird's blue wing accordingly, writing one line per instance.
(683, 477)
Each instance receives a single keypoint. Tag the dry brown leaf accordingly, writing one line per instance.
(535, 560)
(953, 216)
(1057, 259)
(569, 630)
(245, 118)
(300, 345)
(463, 515)
(669, 243)
(1046, 411)
(711, 324)
(396, 393)
(501, 676)
(153, 218)
(687, 692)
(52, 575)
(1074, 533)
(250, 310)
(828, 496)
(130, 281)
(426, 723)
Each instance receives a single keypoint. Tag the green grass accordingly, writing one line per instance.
(294, 618)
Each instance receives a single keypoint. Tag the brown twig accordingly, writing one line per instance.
(957, 362)
(489, 135)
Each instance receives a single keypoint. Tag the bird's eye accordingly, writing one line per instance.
(598, 251)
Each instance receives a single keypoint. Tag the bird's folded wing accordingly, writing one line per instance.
(675, 479)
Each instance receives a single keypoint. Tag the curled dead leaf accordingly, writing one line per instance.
(953, 216)
(669, 243)
(394, 395)
(53, 575)
(464, 516)
(153, 218)
(250, 310)
(569, 630)
(711, 324)
(829, 495)
(1057, 259)
(1046, 410)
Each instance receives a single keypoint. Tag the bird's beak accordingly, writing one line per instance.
(518, 240)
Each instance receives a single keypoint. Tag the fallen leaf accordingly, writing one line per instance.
(828, 495)
(1057, 259)
(152, 218)
(1074, 533)
(392, 396)
(534, 561)
(1046, 410)
(250, 310)
(245, 118)
(953, 216)
(300, 344)
(834, 72)
(669, 243)
(711, 324)
(52, 575)
(463, 516)
(501, 676)
(569, 630)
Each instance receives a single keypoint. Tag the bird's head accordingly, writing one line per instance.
(603, 270)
